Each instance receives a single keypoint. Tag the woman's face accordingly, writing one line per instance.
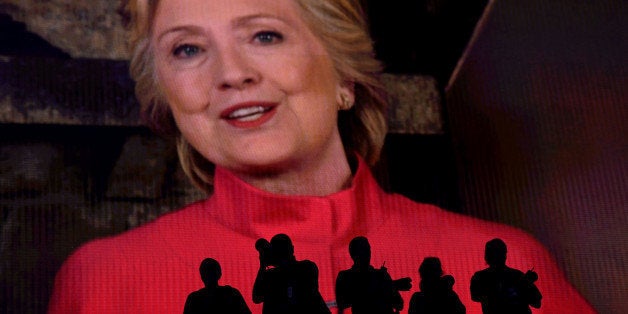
(248, 83)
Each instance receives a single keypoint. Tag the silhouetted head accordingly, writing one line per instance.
(360, 250)
(495, 253)
(282, 247)
(210, 272)
(430, 268)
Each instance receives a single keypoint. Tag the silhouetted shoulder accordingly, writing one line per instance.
(230, 291)
(307, 264)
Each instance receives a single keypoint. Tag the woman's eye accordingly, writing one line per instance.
(268, 37)
(185, 51)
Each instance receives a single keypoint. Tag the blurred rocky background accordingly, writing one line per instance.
(82, 29)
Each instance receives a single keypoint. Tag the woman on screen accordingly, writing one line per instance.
(279, 114)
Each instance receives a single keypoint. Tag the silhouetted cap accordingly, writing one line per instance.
(495, 254)
(431, 268)
(282, 245)
(359, 246)
(210, 271)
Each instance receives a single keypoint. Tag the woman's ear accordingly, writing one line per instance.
(345, 97)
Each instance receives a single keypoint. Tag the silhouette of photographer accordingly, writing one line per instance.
(437, 295)
(284, 284)
(366, 289)
(502, 289)
(214, 298)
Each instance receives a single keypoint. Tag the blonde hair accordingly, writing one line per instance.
(341, 27)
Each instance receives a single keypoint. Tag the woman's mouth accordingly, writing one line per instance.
(249, 115)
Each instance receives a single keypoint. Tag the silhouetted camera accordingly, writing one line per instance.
(531, 276)
(266, 255)
(402, 284)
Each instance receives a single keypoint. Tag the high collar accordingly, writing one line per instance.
(336, 217)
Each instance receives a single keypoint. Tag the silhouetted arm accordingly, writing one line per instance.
(242, 308)
(458, 306)
(342, 299)
(533, 295)
(413, 308)
(477, 290)
(313, 276)
(316, 300)
(396, 299)
(535, 300)
(189, 306)
(259, 287)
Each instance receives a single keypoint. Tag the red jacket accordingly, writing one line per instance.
(152, 268)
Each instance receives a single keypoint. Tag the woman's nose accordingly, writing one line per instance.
(234, 70)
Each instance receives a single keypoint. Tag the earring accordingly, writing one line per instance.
(345, 103)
